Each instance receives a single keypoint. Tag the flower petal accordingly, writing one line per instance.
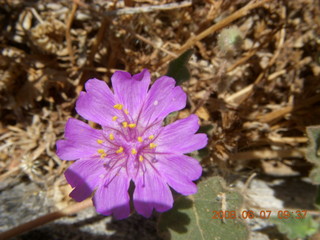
(179, 171)
(112, 197)
(97, 103)
(131, 91)
(162, 99)
(84, 190)
(151, 192)
(81, 141)
(180, 137)
(84, 176)
(80, 171)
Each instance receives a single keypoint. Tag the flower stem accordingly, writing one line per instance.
(45, 219)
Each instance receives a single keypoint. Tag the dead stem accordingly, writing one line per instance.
(45, 219)
(279, 113)
(9, 173)
(68, 35)
(143, 9)
(268, 154)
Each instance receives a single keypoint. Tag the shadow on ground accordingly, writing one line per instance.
(134, 227)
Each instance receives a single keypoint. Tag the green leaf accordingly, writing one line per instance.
(171, 118)
(315, 175)
(312, 153)
(178, 67)
(191, 217)
(317, 199)
(296, 228)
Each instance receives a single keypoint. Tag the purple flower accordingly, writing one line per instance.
(132, 144)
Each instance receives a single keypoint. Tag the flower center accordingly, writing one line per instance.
(126, 139)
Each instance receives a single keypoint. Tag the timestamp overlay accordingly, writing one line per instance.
(260, 214)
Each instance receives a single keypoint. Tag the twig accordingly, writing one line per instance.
(8, 173)
(99, 37)
(68, 35)
(243, 59)
(143, 9)
(268, 154)
(239, 96)
(282, 35)
(248, 182)
(146, 9)
(279, 113)
(287, 140)
(138, 36)
(45, 219)
(36, 15)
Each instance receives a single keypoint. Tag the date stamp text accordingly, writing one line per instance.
(263, 214)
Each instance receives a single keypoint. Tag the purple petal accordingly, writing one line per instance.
(179, 171)
(131, 91)
(84, 190)
(84, 176)
(97, 103)
(112, 197)
(80, 171)
(81, 141)
(151, 192)
(162, 99)
(180, 137)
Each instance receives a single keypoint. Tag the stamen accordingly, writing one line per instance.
(111, 136)
(124, 124)
(114, 118)
(101, 151)
(140, 139)
(151, 137)
(120, 150)
(140, 158)
(103, 155)
(132, 125)
(152, 145)
(118, 106)
(99, 141)
(126, 111)
(133, 151)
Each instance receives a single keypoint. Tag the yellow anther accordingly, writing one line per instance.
(140, 158)
(132, 125)
(103, 155)
(151, 137)
(118, 106)
(111, 136)
(152, 145)
(126, 111)
(140, 139)
(99, 141)
(120, 150)
(124, 124)
(114, 118)
(133, 151)
(101, 151)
